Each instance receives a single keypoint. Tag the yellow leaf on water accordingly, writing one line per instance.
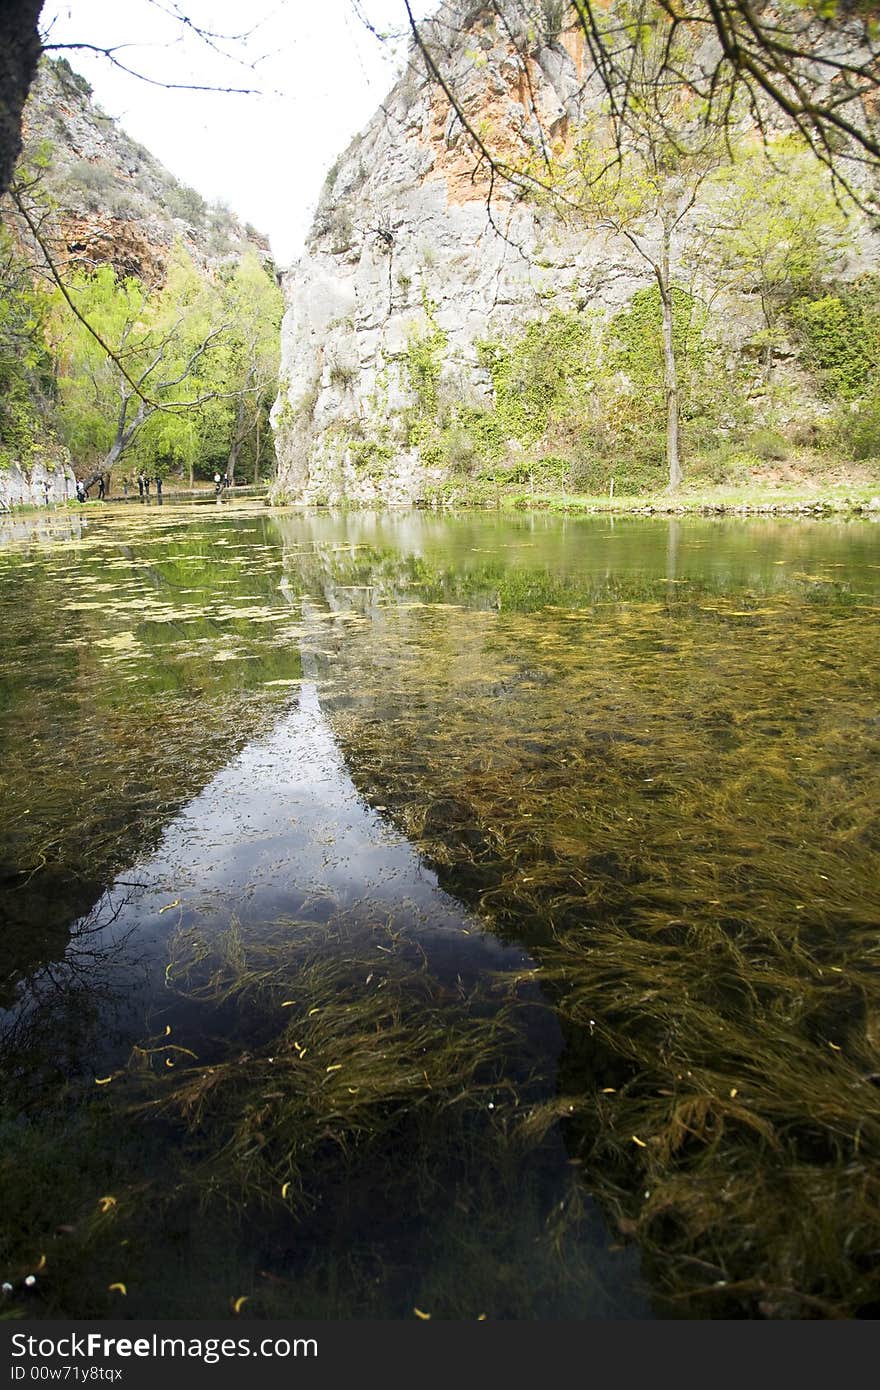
(168, 906)
(117, 1288)
(425, 1317)
(609, 1090)
(102, 1080)
(336, 1067)
(284, 1190)
(168, 1062)
(733, 1093)
(834, 1047)
(41, 1264)
(167, 1030)
(105, 1203)
(239, 1303)
(288, 1004)
(641, 1143)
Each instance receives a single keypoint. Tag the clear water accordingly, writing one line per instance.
(475, 915)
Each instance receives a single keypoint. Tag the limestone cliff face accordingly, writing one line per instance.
(415, 257)
(49, 479)
(403, 247)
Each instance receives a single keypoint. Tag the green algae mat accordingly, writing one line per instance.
(438, 916)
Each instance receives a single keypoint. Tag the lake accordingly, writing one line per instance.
(453, 916)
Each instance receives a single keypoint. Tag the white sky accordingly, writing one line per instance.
(320, 75)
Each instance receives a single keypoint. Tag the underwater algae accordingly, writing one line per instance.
(648, 757)
(673, 803)
(326, 1122)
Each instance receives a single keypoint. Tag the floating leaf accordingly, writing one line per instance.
(117, 1288)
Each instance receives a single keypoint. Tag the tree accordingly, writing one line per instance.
(20, 48)
(775, 226)
(160, 363)
(646, 190)
(253, 306)
(25, 363)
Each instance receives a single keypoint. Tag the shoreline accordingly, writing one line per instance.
(840, 499)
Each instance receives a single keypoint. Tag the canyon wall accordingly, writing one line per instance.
(416, 258)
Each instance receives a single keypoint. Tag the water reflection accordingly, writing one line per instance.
(281, 856)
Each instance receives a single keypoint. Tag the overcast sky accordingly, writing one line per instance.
(320, 75)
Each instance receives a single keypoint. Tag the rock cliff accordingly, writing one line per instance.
(415, 258)
(116, 204)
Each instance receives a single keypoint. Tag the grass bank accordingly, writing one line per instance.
(794, 495)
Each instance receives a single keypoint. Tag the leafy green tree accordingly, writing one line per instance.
(161, 363)
(646, 191)
(25, 362)
(253, 306)
(776, 226)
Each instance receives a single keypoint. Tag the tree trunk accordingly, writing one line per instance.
(19, 52)
(103, 469)
(257, 450)
(670, 371)
(238, 437)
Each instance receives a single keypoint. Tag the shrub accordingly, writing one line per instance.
(768, 445)
(857, 432)
(186, 204)
(840, 338)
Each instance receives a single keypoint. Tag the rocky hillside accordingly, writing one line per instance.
(116, 203)
(420, 281)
